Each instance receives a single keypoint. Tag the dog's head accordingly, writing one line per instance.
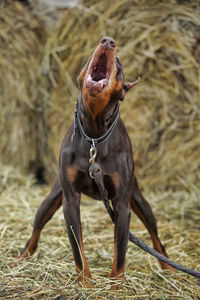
(102, 79)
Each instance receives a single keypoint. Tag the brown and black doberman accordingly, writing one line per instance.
(102, 86)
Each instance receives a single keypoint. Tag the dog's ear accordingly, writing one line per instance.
(127, 86)
(81, 76)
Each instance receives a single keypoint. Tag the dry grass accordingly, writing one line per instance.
(50, 273)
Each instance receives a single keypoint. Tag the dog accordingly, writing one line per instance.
(97, 124)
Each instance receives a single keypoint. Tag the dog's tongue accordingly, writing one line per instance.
(93, 85)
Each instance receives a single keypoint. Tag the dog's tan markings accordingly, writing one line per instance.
(85, 276)
(116, 275)
(52, 210)
(96, 105)
(32, 245)
(116, 179)
(71, 174)
(119, 86)
(30, 249)
(82, 75)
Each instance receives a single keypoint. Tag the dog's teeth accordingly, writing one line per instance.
(105, 82)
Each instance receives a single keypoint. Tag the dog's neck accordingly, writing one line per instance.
(99, 126)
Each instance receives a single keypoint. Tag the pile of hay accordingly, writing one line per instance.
(24, 92)
(160, 41)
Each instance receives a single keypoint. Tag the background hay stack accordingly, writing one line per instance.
(161, 41)
(24, 90)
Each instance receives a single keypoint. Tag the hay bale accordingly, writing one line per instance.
(24, 96)
(159, 40)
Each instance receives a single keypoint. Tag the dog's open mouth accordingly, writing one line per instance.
(98, 74)
(100, 69)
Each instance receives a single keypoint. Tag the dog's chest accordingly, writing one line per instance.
(82, 183)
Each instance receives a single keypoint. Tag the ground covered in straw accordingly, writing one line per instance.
(50, 273)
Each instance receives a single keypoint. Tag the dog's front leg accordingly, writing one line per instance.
(71, 207)
(44, 213)
(121, 234)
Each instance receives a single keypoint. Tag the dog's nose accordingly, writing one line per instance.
(107, 43)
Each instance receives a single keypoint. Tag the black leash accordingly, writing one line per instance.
(96, 174)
